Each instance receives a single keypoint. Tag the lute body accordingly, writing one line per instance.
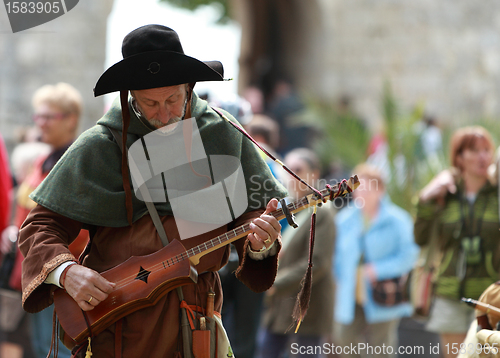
(141, 282)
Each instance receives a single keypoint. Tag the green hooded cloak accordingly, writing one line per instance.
(86, 184)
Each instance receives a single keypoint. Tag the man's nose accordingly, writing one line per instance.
(164, 114)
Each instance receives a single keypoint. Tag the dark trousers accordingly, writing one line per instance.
(241, 315)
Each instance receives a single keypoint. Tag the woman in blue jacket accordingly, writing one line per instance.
(374, 242)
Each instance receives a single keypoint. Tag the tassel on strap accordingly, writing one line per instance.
(304, 296)
(88, 354)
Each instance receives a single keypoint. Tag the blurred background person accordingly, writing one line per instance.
(460, 207)
(374, 242)
(293, 260)
(5, 206)
(430, 142)
(17, 342)
(265, 131)
(255, 97)
(57, 110)
(242, 307)
(285, 103)
(237, 106)
(5, 187)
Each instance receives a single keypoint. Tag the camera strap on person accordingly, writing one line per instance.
(471, 242)
(471, 251)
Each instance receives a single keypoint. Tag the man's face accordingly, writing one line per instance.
(163, 105)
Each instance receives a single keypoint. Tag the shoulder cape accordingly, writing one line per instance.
(86, 184)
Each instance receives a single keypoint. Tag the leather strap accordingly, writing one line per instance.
(118, 338)
(145, 195)
(164, 239)
(125, 177)
(266, 152)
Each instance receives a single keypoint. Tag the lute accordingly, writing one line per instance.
(142, 280)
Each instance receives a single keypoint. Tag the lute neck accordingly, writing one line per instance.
(194, 254)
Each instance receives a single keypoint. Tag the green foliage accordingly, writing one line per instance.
(194, 4)
(341, 135)
(492, 125)
(409, 169)
(344, 137)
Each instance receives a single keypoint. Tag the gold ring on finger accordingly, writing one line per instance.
(90, 300)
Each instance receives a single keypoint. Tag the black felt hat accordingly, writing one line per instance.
(153, 57)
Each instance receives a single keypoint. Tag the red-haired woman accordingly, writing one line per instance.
(459, 208)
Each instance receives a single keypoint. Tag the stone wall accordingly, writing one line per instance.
(70, 49)
(445, 54)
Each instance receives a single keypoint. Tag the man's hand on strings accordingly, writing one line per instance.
(87, 287)
(266, 228)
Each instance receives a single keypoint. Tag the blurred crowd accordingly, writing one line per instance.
(367, 248)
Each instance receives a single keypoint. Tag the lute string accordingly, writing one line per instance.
(294, 206)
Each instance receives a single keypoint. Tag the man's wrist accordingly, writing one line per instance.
(262, 254)
(55, 276)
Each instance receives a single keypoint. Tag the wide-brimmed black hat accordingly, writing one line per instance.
(153, 57)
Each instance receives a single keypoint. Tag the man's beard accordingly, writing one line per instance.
(161, 126)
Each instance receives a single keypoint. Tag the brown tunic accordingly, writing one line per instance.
(44, 240)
